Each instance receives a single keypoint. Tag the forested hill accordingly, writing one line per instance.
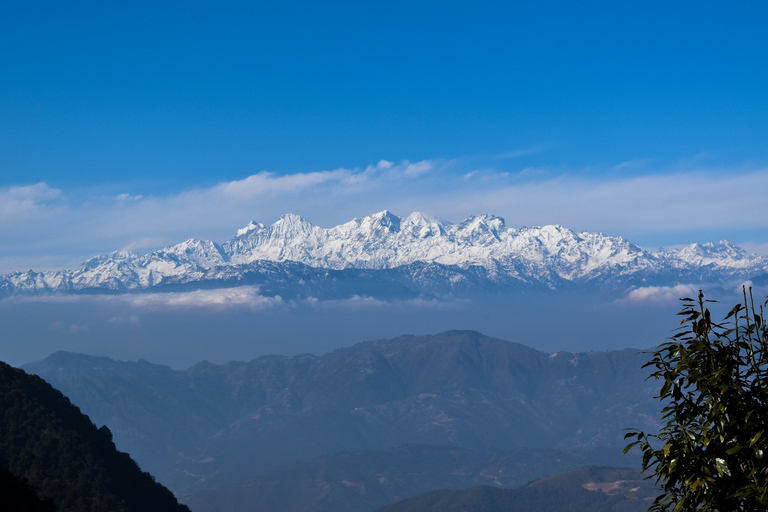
(17, 494)
(48, 442)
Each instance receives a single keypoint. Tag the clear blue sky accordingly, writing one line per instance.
(158, 99)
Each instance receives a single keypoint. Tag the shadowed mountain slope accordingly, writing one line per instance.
(219, 424)
(48, 442)
(584, 490)
(17, 494)
(364, 481)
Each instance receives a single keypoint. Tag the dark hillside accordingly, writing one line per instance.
(17, 494)
(47, 441)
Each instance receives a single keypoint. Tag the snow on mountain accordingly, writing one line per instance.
(479, 248)
(383, 240)
(203, 253)
(722, 254)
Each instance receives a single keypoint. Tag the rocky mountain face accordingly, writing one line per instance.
(388, 255)
(218, 424)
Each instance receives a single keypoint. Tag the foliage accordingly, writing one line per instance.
(17, 494)
(47, 442)
(710, 454)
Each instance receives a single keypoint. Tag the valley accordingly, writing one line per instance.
(389, 418)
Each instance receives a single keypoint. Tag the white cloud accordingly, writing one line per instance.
(135, 304)
(361, 303)
(70, 328)
(147, 243)
(125, 320)
(659, 294)
(418, 168)
(220, 298)
(241, 296)
(756, 248)
(26, 200)
(128, 197)
(631, 164)
(662, 203)
(40, 223)
(265, 182)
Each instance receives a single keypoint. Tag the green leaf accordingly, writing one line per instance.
(714, 392)
(629, 447)
(733, 311)
(722, 467)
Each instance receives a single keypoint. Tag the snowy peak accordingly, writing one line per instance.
(113, 258)
(480, 230)
(380, 224)
(422, 227)
(456, 254)
(249, 227)
(291, 225)
(198, 252)
(722, 253)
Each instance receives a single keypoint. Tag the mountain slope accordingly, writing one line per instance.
(585, 490)
(364, 481)
(218, 424)
(45, 440)
(408, 256)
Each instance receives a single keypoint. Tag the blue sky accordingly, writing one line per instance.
(140, 124)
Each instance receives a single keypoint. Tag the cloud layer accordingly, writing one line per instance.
(659, 294)
(43, 227)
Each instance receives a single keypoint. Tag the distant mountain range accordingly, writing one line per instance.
(366, 480)
(386, 256)
(592, 489)
(215, 425)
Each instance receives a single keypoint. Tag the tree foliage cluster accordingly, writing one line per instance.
(17, 494)
(711, 453)
(48, 442)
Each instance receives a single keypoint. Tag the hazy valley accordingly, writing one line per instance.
(446, 411)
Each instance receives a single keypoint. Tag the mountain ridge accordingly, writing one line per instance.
(457, 388)
(592, 489)
(375, 247)
(367, 480)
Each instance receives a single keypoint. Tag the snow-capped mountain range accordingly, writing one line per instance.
(414, 256)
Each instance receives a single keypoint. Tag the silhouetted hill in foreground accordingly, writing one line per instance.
(48, 442)
(215, 425)
(583, 490)
(17, 494)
